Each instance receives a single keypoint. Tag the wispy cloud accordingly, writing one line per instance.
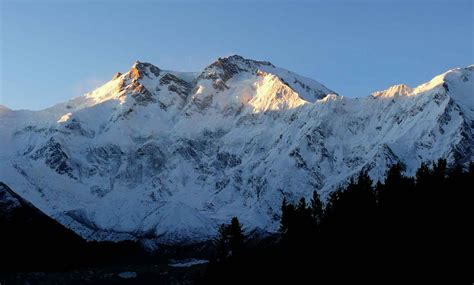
(87, 85)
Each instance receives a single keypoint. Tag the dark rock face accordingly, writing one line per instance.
(75, 127)
(153, 69)
(104, 160)
(299, 160)
(176, 85)
(55, 157)
(251, 64)
(446, 87)
(226, 159)
(219, 85)
(316, 93)
(141, 69)
(152, 156)
(141, 94)
(116, 75)
(230, 66)
(229, 69)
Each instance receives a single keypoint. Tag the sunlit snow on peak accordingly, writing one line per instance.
(394, 91)
(65, 118)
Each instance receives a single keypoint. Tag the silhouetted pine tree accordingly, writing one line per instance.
(352, 210)
(397, 187)
(423, 176)
(285, 217)
(317, 208)
(304, 223)
(222, 243)
(236, 236)
(230, 240)
(440, 171)
(288, 219)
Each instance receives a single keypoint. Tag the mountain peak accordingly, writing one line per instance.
(394, 91)
(140, 69)
(225, 68)
(244, 63)
(453, 75)
(231, 57)
(240, 59)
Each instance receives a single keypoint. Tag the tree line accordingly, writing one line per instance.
(405, 229)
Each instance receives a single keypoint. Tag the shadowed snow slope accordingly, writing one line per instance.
(166, 156)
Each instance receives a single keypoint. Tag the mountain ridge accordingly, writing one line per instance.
(164, 156)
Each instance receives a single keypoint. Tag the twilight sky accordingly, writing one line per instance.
(51, 51)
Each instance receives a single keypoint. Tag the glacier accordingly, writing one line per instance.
(164, 157)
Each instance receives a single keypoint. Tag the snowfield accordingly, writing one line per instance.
(165, 157)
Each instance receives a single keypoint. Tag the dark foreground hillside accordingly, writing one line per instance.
(36, 249)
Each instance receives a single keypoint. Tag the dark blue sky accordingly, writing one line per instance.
(51, 51)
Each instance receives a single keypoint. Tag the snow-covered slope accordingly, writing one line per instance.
(166, 156)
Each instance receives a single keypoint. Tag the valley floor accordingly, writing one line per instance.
(160, 273)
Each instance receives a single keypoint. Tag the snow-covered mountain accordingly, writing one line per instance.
(165, 156)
